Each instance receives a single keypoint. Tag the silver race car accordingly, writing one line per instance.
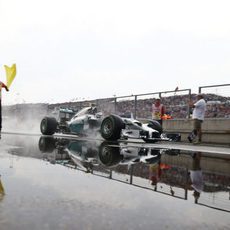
(90, 122)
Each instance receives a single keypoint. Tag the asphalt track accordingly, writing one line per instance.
(205, 148)
(40, 190)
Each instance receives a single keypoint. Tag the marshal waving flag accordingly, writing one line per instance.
(2, 191)
(10, 74)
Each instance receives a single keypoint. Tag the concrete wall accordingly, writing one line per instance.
(215, 131)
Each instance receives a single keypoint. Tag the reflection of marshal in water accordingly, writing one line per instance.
(165, 171)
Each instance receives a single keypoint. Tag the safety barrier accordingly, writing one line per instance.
(215, 131)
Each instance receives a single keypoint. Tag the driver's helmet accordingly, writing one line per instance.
(93, 110)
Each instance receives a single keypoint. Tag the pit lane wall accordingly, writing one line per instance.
(215, 131)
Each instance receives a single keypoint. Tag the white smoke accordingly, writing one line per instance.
(23, 118)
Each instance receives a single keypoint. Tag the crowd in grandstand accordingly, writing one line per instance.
(177, 106)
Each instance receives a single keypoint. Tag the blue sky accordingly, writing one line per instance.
(74, 50)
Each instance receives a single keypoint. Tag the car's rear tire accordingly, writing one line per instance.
(111, 127)
(48, 125)
(46, 144)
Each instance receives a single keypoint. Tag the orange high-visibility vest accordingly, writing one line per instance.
(157, 112)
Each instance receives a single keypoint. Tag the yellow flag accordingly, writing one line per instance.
(10, 74)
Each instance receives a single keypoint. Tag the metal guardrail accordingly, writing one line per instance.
(140, 105)
(212, 86)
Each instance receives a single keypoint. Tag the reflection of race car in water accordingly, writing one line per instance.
(81, 153)
(85, 155)
(113, 127)
(112, 154)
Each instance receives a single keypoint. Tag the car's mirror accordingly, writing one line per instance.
(98, 115)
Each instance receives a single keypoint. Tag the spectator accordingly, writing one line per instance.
(199, 108)
(158, 110)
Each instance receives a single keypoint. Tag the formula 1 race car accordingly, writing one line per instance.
(89, 121)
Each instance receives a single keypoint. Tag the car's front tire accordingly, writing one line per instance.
(155, 125)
